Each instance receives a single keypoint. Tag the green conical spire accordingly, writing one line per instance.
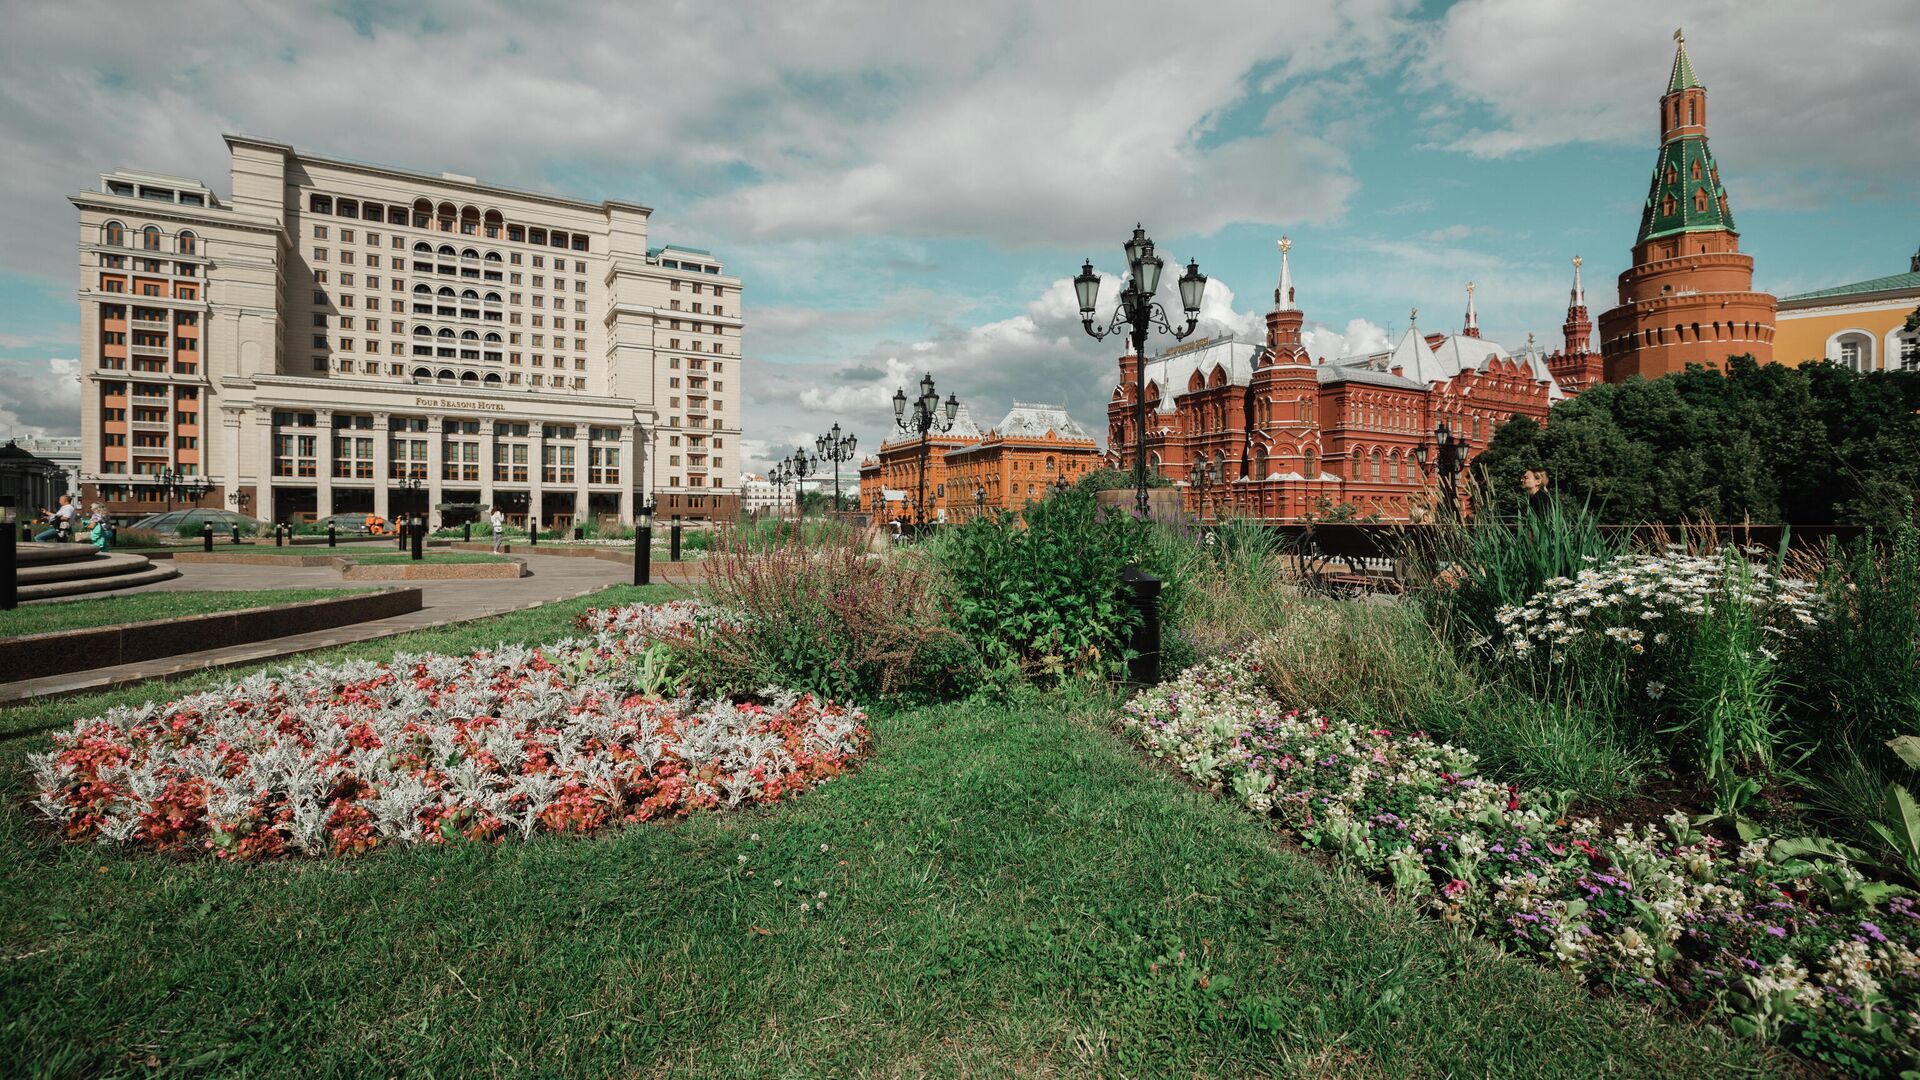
(1682, 67)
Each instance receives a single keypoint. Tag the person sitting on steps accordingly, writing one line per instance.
(60, 523)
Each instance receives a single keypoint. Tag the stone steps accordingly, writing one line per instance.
(53, 570)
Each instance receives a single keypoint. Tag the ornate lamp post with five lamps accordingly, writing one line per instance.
(838, 449)
(1138, 313)
(780, 476)
(926, 419)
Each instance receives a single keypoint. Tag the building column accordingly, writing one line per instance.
(487, 459)
(581, 448)
(436, 468)
(263, 487)
(323, 468)
(382, 465)
(536, 469)
(629, 474)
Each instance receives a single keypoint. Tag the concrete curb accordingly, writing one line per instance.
(36, 656)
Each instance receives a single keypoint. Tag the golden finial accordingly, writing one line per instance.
(1680, 35)
(1576, 262)
(1413, 314)
(1469, 290)
(1285, 244)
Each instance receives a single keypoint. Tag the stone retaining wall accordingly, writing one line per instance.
(424, 571)
(36, 655)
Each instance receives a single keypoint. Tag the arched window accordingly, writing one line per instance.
(1696, 168)
(493, 298)
(1852, 349)
(493, 256)
(421, 331)
(1311, 470)
(445, 333)
(446, 291)
(492, 379)
(422, 373)
(423, 289)
(114, 234)
(423, 247)
(1373, 472)
(469, 253)
(1700, 200)
(446, 252)
(493, 338)
(469, 377)
(469, 336)
(1049, 462)
(1690, 111)
(1666, 206)
(469, 294)
(186, 243)
(446, 374)
(150, 238)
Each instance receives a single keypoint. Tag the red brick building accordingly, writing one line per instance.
(1268, 432)
(1688, 298)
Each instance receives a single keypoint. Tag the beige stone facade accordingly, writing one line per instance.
(348, 338)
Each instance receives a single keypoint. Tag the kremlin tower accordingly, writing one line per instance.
(1688, 297)
(1576, 366)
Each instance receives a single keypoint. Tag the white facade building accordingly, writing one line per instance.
(348, 338)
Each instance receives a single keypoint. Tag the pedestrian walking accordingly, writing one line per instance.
(499, 523)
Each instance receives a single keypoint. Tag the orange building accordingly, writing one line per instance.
(1003, 468)
(1033, 448)
(1688, 298)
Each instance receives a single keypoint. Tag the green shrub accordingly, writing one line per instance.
(1043, 596)
(778, 531)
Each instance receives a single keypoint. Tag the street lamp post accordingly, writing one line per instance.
(835, 448)
(780, 476)
(925, 420)
(802, 467)
(1138, 313)
(408, 484)
(166, 478)
(1450, 460)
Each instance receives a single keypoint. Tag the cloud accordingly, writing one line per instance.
(1781, 105)
(42, 397)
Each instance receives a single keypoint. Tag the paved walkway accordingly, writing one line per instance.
(550, 579)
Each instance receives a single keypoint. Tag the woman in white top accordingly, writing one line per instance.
(499, 527)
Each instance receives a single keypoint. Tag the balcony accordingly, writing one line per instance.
(150, 425)
(150, 350)
(151, 324)
(151, 400)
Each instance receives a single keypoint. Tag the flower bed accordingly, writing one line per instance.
(340, 759)
(1786, 943)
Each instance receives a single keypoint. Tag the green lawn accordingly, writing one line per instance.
(1010, 891)
(140, 607)
(388, 558)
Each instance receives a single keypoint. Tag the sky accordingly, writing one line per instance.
(910, 188)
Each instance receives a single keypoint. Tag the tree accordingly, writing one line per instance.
(1812, 445)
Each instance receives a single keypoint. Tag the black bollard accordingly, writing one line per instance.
(643, 554)
(579, 533)
(279, 536)
(673, 541)
(419, 537)
(9, 560)
(533, 532)
(466, 532)
(236, 532)
(333, 535)
(1143, 593)
(206, 536)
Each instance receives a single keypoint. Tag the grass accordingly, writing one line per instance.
(141, 607)
(1010, 891)
(549, 622)
(393, 558)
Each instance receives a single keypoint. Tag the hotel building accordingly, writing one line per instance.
(348, 338)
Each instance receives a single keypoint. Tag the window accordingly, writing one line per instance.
(319, 232)
(150, 238)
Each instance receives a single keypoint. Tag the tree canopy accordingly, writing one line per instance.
(1810, 445)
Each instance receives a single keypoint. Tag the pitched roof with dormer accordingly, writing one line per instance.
(1172, 370)
(1031, 421)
